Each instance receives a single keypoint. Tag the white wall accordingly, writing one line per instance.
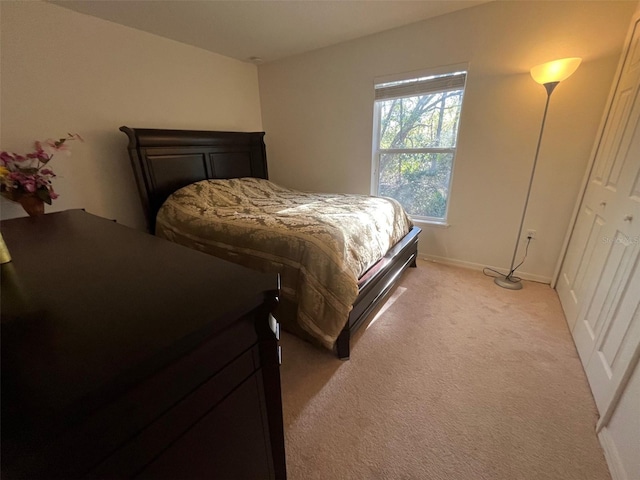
(63, 71)
(318, 113)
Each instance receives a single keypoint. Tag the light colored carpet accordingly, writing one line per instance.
(455, 378)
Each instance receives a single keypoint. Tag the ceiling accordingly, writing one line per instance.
(266, 29)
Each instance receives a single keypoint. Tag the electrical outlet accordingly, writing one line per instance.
(531, 234)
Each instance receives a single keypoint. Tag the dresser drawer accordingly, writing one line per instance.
(153, 440)
(105, 430)
(230, 442)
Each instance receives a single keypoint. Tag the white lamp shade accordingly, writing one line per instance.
(555, 71)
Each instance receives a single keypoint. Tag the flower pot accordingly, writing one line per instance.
(33, 205)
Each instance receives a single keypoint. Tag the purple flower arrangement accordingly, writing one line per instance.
(29, 175)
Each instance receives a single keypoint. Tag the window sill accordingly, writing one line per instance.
(427, 223)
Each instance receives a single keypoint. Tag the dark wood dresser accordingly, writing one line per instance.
(127, 356)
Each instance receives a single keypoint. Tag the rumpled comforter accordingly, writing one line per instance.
(320, 244)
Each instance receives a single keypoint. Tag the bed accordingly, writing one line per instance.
(168, 161)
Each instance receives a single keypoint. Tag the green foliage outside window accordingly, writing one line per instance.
(428, 125)
(420, 182)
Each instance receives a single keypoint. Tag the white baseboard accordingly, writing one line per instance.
(477, 266)
(616, 469)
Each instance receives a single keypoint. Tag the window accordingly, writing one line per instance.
(415, 135)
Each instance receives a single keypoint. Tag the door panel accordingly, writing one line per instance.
(607, 170)
(606, 167)
(601, 304)
(587, 237)
(618, 345)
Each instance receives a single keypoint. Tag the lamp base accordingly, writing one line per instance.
(508, 282)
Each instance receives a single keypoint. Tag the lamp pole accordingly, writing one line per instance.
(507, 280)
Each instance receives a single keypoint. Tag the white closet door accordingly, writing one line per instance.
(600, 225)
(599, 284)
(607, 330)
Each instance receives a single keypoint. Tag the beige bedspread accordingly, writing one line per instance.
(319, 243)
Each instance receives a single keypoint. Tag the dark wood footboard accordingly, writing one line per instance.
(374, 292)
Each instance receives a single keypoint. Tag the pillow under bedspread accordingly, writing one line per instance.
(320, 244)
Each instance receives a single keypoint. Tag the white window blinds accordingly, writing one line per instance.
(420, 86)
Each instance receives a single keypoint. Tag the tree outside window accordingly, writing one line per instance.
(416, 130)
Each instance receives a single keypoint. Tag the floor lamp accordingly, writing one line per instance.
(548, 75)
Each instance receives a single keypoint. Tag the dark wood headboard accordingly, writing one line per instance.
(166, 160)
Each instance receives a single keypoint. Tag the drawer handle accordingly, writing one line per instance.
(274, 325)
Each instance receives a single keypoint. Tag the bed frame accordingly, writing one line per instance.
(165, 160)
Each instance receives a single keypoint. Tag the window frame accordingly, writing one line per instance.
(377, 151)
